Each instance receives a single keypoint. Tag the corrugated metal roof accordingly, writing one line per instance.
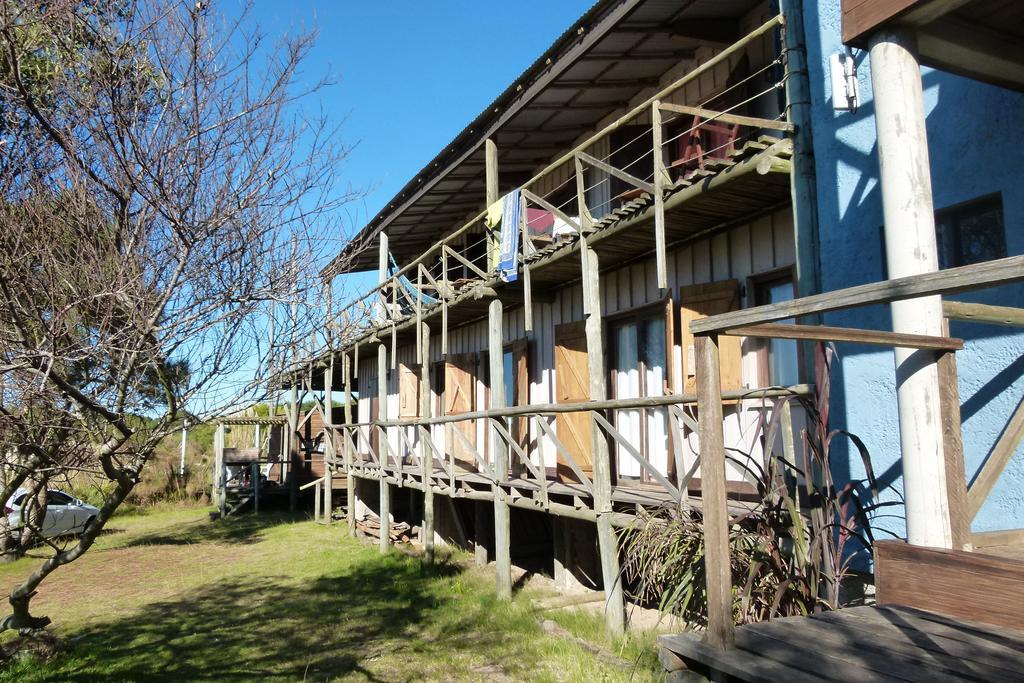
(615, 50)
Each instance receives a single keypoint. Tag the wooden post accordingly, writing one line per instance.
(491, 177)
(329, 438)
(721, 632)
(385, 488)
(293, 447)
(316, 501)
(350, 480)
(426, 455)
(660, 176)
(586, 226)
(615, 614)
(502, 516)
(953, 449)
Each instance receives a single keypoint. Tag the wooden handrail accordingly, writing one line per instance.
(948, 281)
(1009, 316)
(584, 406)
(827, 333)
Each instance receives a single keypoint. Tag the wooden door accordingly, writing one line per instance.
(572, 385)
(702, 301)
(408, 391)
(459, 382)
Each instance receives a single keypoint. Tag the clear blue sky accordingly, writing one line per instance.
(413, 74)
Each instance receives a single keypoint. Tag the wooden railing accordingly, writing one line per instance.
(423, 460)
(757, 322)
(402, 296)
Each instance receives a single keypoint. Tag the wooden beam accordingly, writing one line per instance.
(661, 179)
(618, 173)
(1008, 539)
(565, 453)
(548, 206)
(953, 450)
(724, 117)
(862, 17)
(607, 404)
(615, 616)
(721, 631)
(350, 480)
(996, 462)
(948, 281)
(492, 193)
(602, 83)
(968, 49)
(617, 436)
(586, 223)
(983, 313)
(385, 488)
(953, 583)
(524, 244)
(464, 261)
(827, 333)
(427, 458)
(660, 55)
(502, 517)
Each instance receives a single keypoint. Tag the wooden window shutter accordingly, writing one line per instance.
(408, 391)
(702, 301)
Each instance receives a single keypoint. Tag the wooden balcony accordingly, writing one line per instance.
(690, 169)
(937, 608)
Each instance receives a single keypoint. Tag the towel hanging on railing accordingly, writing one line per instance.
(508, 258)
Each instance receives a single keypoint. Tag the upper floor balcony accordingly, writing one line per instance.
(653, 131)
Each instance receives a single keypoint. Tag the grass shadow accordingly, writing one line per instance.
(270, 628)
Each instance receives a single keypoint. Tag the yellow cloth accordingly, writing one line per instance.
(494, 213)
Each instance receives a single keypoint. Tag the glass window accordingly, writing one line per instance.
(508, 362)
(971, 233)
(783, 355)
(58, 498)
(639, 370)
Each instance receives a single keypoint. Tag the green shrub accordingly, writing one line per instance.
(790, 553)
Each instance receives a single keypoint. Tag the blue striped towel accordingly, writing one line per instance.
(508, 258)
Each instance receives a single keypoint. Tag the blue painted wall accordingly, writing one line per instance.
(975, 150)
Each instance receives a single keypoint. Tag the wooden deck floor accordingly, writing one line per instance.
(858, 644)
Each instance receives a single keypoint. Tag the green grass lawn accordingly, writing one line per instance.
(170, 595)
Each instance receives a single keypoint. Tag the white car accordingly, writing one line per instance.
(64, 515)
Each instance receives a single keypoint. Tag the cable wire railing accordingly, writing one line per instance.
(559, 215)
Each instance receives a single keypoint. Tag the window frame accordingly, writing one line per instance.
(665, 309)
(756, 286)
(955, 214)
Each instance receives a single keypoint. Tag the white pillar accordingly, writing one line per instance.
(910, 248)
(184, 444)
